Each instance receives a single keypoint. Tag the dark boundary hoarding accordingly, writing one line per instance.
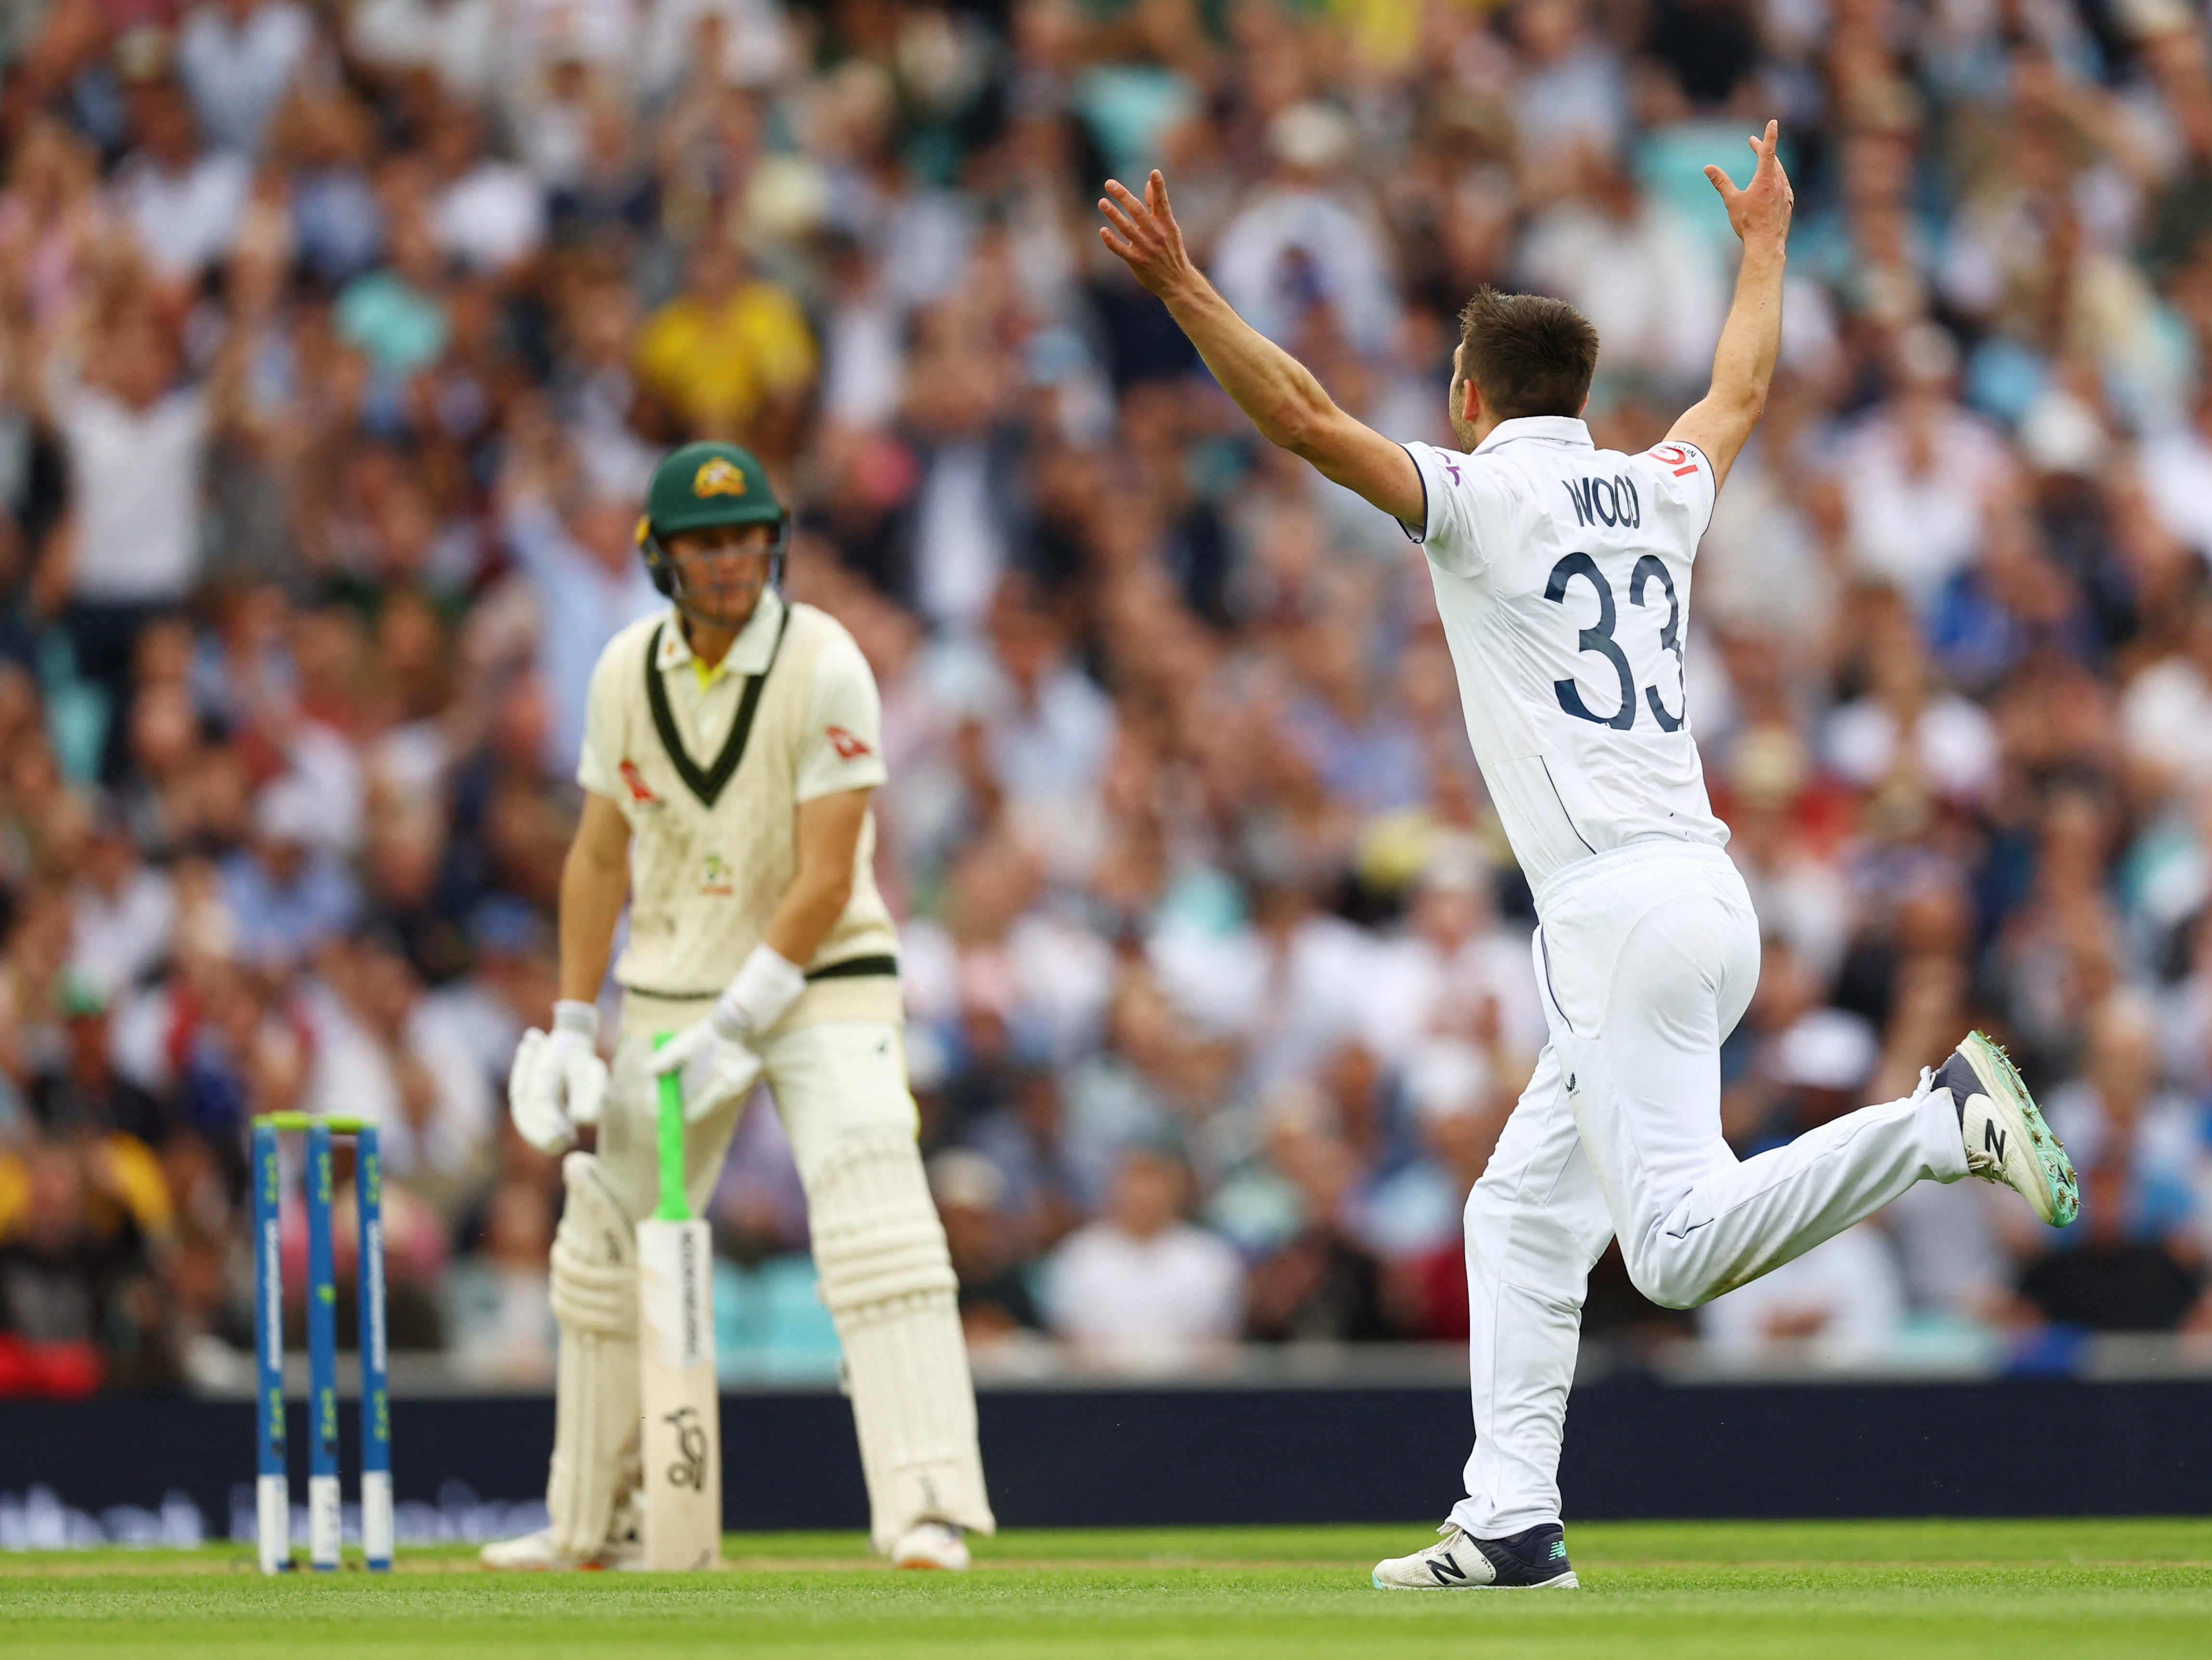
(1637, 1447)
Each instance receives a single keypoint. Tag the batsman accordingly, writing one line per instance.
(730, 749)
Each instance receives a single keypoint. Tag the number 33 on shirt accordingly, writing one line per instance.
(1562, 574)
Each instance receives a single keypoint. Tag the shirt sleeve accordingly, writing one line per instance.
(1685, 474)
(843, 747)
(598, 766)
(1468, 501)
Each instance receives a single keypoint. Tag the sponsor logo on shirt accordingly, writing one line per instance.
(716, 878)
(640, 790)
(849, 747)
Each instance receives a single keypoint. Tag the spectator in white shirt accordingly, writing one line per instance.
(237, 59)
(134, 440)
(2166, 714)
(488, 214)
(2176, 469)
(1306, 239)
(122, 910)
(1918, 477)
(135, 436)
(1287, 986)
(1051, 728)
(1840, 1303)
(539, 33)
(1908, 732)
(1458, 973)
(184, 204)
(1569, 90)
(752, 42)
(1648, 282)
(1140, 1288)
(457, 40)
(287, 894)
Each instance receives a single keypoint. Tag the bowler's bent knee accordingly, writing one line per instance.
(1674, 1268)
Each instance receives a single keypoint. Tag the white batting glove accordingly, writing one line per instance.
(558, 1080)
(715, 1056)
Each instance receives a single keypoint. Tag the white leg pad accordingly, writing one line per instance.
(595, 1416)
(889, 1284)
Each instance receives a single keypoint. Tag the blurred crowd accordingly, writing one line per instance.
(338, 338)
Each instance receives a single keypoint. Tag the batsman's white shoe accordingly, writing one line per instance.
(931, 1545)
(1535, 1560)
(2007, 1139)
(535, 1552)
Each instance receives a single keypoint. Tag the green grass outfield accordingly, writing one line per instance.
(1652, 1590)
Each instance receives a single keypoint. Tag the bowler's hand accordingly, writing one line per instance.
(717, 1067)
(1150, 241)
(1761, 208)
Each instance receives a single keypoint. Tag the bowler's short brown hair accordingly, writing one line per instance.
(1527, 354)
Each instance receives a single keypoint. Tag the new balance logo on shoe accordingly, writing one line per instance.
(1534, 1557)
(1979, 1078)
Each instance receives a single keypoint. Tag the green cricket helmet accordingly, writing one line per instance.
(699, 487)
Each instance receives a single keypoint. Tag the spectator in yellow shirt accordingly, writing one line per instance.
(732, 357)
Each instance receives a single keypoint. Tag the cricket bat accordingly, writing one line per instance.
(682, 1432)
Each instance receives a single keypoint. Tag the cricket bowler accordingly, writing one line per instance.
(731, 748)
(1562, 574)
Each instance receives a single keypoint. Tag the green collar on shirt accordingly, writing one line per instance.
(708, 782)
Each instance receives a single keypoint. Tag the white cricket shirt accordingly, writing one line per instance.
(709, 770)
(1562, 573)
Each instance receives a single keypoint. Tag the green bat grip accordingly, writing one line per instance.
(673, 1206)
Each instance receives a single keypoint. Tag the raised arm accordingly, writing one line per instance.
(1285, 402)
(1743, 366)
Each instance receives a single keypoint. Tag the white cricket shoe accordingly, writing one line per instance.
(931, 1545)
(1534, 1560)
(535, 1552)
(2007, 1140)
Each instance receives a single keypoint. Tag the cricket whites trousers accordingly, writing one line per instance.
(1645, 957)
(879, 1251)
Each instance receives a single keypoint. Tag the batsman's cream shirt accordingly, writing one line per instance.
(709, 767)
(1562, 573)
